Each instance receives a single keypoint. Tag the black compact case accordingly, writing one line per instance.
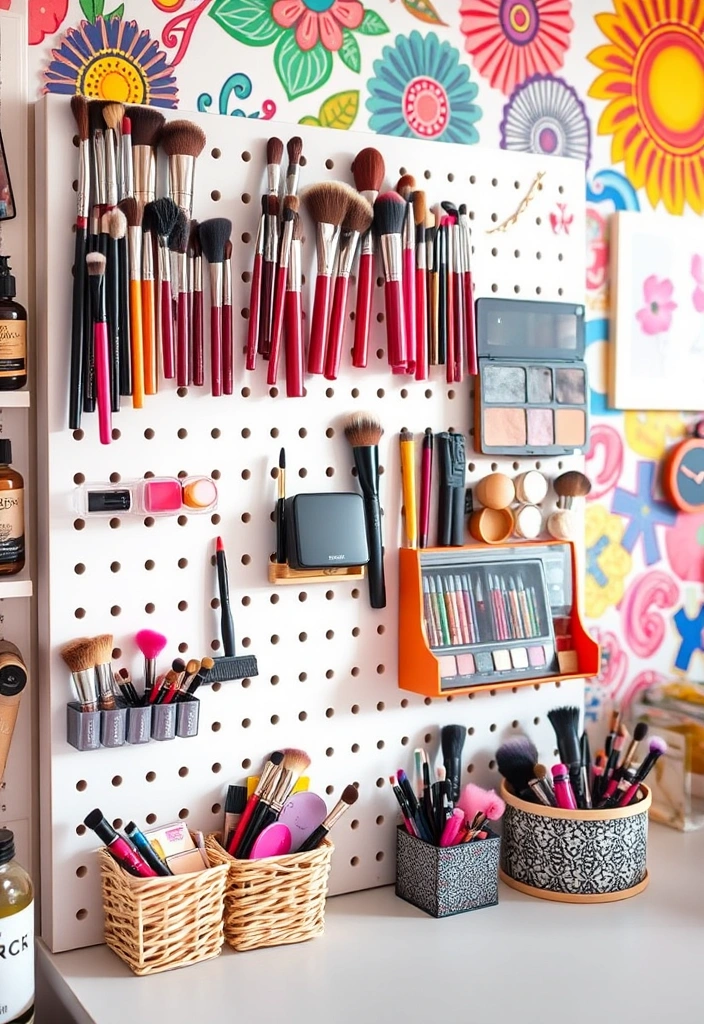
(324, 531)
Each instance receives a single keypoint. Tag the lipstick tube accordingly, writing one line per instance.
(564, 796)
(121, 850)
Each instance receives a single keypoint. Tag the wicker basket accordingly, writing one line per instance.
(276, 900)
(157, 924)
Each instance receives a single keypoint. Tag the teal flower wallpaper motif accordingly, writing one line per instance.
(422, 91)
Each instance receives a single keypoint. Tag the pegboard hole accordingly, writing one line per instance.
(354, 823)
(149, 608)
(302, 637)
(81, 785)
(380, 783)
(246, 722)
(80, 830)
(354, 861)
(82, 914)
(379, 856)
(355, 748)
(183, 772)
(149, 564)
(355, 709)
(216, 726)
(330, 751)
(274, 719)
(354, 671)
(329, 712)
(216, 767)
(80, 568)
(216, 809)
(117, 780)
(82, 871)
(216, 153)
(274, 680)
(80, 613)
(79, 524)
(246, 763)
(150, 818)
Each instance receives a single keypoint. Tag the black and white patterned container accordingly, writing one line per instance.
(575, 856)
(447, 880)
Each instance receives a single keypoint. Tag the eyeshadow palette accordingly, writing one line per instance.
(532, 390)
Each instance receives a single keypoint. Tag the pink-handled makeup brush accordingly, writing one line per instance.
(95, 265)
(405, 187)
(151, 644)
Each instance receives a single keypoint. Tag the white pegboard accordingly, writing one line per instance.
(327, 662)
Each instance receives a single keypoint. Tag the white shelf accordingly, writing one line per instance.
(14, 400)
(15, 588)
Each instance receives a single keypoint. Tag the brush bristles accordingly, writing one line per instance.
(406, 435)
(359, 214)
(178, 236)
(420, 209)
(162, 214)
(327, 201)
(116, 223)
(194, 247)
(272, 205)
(227, 251)
(640, 731)
(368, 170)
(113, 114)
(95, 264)
(297, 228)
(182, 138)
(292, 204)
(540, 771)
(95, 115)
(102, 647)
(363, 430)
(206, 664)
(295, 761)
(213, 235)
(192, 667)
(77, 654)
(389, 213)
(79, 109)
(294, 148)
(146, 125)
(572, 484)
(450, 208)
(405, 185)
(178, 665)
(350, 794)
(132, 211)
(274, 151)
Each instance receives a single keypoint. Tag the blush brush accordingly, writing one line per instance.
(327, 204)
(368, 171)
(357, 221)
(183, 142)
(389, 217)
(147, 123)
(214, 234)
(364, 431)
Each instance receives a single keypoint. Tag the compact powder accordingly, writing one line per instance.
(502, 661)
(540, 429)
(504, 428)
(570, 427)
(504, 384)
(540, 384)
(569, 386)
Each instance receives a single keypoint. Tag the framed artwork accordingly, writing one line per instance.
(656, 356)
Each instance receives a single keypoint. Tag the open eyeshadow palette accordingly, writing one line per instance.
(532, 391)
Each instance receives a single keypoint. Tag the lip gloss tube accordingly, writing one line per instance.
(123, 853)
(564, 796)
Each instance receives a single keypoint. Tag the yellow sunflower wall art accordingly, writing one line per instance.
(653, 80)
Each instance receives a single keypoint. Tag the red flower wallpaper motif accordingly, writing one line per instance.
(45, 17)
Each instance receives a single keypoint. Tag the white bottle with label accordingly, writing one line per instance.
(16, 937)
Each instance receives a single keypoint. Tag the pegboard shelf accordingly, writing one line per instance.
(284, 575)
(15, 588)
(15, 400)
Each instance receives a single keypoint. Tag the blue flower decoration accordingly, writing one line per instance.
(112, 60)
(422, 91)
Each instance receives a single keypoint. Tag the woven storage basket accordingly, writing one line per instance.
(274, 901)
(157, 924)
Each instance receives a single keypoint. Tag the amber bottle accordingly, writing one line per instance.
(11, 513)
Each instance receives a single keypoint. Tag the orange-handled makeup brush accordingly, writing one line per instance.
(130, 208)
(148, 305)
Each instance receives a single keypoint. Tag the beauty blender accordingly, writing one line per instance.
(272, 841)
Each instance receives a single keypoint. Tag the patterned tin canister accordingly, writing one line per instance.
(447, 880)
(575, 856)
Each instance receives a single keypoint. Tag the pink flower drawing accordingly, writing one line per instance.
(318, 21)
(656, 315)
(698, 275)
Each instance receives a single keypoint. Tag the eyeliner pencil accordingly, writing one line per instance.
(227, 626)
(281, 510)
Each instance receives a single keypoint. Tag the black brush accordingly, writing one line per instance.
(116, 223)
(515, 760)
(452, 738)
(565, 722)
(364, 431)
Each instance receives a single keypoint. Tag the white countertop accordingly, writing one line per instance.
(526, 960)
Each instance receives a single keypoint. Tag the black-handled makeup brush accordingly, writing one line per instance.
(227, 626)
(281, 510)
(451, 461)
(116, 223)
(452, 738)
(364, 431)
(516, 760)
(565, 722)
(349, 797)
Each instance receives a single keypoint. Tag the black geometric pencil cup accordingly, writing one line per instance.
(578, 856)
(447, 880)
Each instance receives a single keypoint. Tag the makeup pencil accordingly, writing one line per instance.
(281, 510)
(426, 477)
(408, 483)
(441, 610)
(227, 627)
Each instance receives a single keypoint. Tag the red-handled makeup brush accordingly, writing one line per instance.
(422, 346)
(358, 220)
(327, 204)
(178, 244)
(468, 291)
(163, 214)
(228, 339)
(294, 148)
(293, 312)
(447, 286)
(268, 772)
(255, 292)
(214, 233)
(368, 170)
(291, 205)
(389, 216)
(196, 370)
(455, 295)
(95, 265)
(406, 185)
(183, 142)
(271, 250)
(147, 123)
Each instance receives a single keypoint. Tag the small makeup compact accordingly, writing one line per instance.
(325, 531)
(532, 391)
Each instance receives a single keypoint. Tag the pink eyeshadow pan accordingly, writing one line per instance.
(505, 427)
(540, 427)
(536, 656)
(465, 664)
(448, 667)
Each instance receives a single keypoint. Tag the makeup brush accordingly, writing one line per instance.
(408, 486)
(227, 626)
(183, 142)
(151, 644)
(421, 286)
(455, 280)
(100, 650)
(452, 739)
(405, 188)
(357, 221)
(124, 681)
(293, 315)
(295, 763)
(133, 216)
(271, 249)
(192, 669)
(614, 722)
(127, 169)
(78, 657)
(214, 233)
(113, 113)
(291, 205)
(468, 290)
(389, 218)
(349, 797)
(515, 760)
(197, 348)
(116, 224)
(452, 471)
(169, 682)
(448, 287)
(151, 376)
(268, 772)
(612, 760)
(327, 204)
(164, 214)
(79, 108)
(255, 291)
(585, 765)
(657, 748)
(639, 733)
(178, 246)
(120, 227)
(426, 477)
(95, 264)
(281, 510)
(97, 142)
(364, 431)
(441, 269)
(147, 123)
(228, 339)
(569, 486)
(565, 722)
(274, 153)
(294, 148)
(201, 676)
(368, 171)
(542, 785)
(433, 287)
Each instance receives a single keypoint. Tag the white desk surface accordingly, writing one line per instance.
(527, 960)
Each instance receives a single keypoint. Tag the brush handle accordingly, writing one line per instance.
(319, 324)
(182, 340)
(167, 331)
(148, 323)
(123, 313)
(102, 380)
(88, 341)
(433, 318)
(267, 308)
(242, 824)
(215, 351)
(450, 327)
(409, 307)
(426, 476)
(338, 318)
(79, 302)
(198, 342)
(112, 287)
(470, 325)
(395, 325)
(375, 568)
(314, 839)
(363, 314)
(459, 325)
(277, 327)
(228, 351)
(294, 345)
(255, 300)
(421, 325)
(137, 343)
(263, 816)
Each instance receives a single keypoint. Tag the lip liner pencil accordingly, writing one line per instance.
(441, 612)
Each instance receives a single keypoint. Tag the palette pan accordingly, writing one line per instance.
(532, 389)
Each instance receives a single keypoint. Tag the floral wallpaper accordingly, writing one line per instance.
(618, 84)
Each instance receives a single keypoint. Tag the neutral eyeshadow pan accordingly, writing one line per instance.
(540, 428)
(504, 384)
(505, 427)
(569, 386)
(540, 384)
(570, 427)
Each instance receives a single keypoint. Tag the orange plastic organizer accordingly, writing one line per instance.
(500, 617)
